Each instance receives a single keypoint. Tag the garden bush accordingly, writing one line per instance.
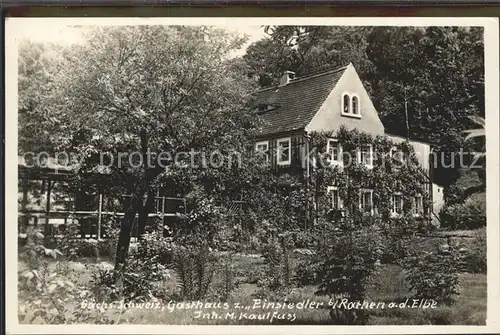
(277, 276)
(141, 279)
(474, 260)
(228, 282)
(470, 214)
(194, 266)
(434, 274)
(155, 245)
(44, 295)
(348, 268)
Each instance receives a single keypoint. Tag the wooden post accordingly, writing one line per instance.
(99, 217)
(47, 208)
(24, 203)
(157, 200)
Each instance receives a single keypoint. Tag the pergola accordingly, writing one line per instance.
(53, 173)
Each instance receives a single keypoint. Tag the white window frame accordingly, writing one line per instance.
(266, 152)
(330, 189)
(393, 150)
(342, 104)
(361, 192)
(369, 166)
(349, 108)
(358, 114)
(400, 159)
(278, 151)
(394, 213)
(333, 162)
(414, 207)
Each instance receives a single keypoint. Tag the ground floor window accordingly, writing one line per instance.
(418, 206)
(334, 196)
(262, 149)
(397, 204)
(284, 151)
(366, 200)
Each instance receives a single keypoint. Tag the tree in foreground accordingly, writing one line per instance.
(146, 90)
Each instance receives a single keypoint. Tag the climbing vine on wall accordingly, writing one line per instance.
(349, 241)
(395, 170)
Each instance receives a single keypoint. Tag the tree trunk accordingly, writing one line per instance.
(133, 205)
(127, 223)
(144, 212)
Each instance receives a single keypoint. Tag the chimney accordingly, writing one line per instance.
(286, 77)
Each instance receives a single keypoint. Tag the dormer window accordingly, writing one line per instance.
(262, 108)
(350, 105)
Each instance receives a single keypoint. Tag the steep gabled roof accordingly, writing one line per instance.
(294, 104)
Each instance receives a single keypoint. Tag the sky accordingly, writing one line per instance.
(67, 34)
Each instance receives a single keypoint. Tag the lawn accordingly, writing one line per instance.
(469, 309)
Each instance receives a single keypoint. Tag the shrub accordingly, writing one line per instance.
(154, 244)
(470, 214)
(194, 267)
(72, 246)
(44, 293)
(226, 272)
(348, 257)
(277, 275)
(139, 280)
(307, 272)
(348, 273)
(434, 274)
(107, 245)
(395, 248)
(474, 260)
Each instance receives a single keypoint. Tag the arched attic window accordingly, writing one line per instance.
(345, 103)
(350, 105)
(355, 105)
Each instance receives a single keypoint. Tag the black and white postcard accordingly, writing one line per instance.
(302, 175)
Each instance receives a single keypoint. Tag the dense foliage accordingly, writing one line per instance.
(434, 274)
(436, 72)
(470, 214)
(172, 89)
(193, 99)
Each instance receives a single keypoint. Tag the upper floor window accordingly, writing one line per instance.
(262, 149)
(334, 151)
(350, 105)
(365, 155)
(398, 158)
(284, 151)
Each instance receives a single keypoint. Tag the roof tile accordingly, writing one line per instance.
(297, 102)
